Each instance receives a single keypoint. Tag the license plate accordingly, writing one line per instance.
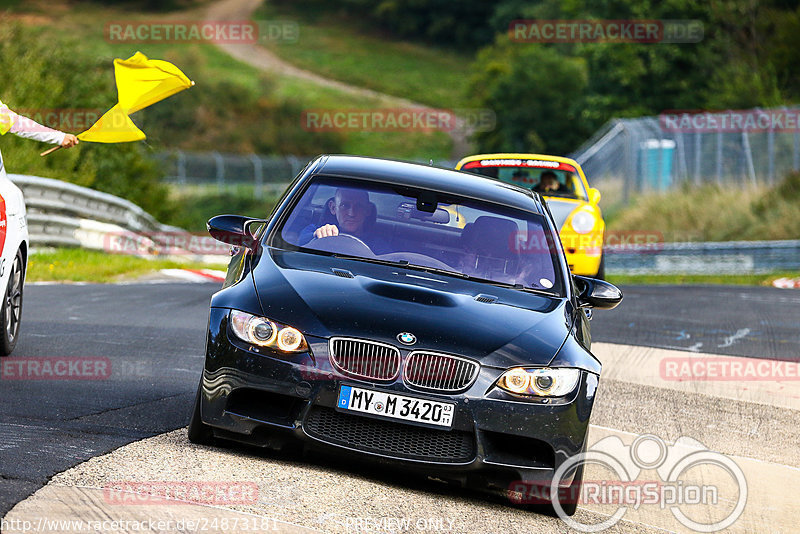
(396, 406)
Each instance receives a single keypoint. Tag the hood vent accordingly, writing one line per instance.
(488, 299)
(343, 273)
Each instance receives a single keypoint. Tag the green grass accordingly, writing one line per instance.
(698, 279)
(81, 265)
(714, 213)
(347, 50)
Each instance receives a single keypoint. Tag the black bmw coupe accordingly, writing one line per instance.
(407, 314)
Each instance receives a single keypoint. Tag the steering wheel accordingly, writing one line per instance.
(349, 244)
(351, 236)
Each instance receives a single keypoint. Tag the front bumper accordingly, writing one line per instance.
(583, 252)
(494, 441)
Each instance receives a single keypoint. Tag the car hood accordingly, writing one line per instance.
(561, 209)
(379, 302)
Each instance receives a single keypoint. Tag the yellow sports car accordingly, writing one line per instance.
(572, 202)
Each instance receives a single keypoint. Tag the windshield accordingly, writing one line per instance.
(450, 235)
(550, 178)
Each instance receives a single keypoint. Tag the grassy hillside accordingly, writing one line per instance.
(350, 50)
(712, 213)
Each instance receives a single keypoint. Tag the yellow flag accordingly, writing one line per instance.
(113, 127)
(140, 83)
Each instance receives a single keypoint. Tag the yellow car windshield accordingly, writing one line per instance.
(559, 181)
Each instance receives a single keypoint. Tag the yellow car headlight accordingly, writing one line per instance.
(583, 222)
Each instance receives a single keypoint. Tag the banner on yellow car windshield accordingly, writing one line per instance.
(140, 83)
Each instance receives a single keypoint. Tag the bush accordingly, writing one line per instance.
(714, 213)
(196, 209)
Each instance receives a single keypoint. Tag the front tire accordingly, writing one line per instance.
(11, 311)
(571, 506)
(199, 432)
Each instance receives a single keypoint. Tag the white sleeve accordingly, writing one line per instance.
(30, 129)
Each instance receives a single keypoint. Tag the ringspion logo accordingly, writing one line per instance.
(649, 472)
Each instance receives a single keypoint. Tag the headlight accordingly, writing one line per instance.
(262, 332)
(542, 382)
(582, 222)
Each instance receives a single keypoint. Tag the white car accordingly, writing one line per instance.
(14, 228)
(13, 261)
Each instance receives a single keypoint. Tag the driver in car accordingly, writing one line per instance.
(548, 183)
(352, 210)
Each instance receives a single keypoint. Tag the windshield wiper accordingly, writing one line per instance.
(402, 263)
(446, 272)
(518, 287)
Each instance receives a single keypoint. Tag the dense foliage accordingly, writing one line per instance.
(747, 58)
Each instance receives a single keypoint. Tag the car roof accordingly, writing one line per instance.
(458, 183)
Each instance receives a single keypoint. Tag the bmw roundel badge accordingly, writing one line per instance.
(406, 338)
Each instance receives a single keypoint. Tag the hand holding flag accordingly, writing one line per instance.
(140, 83)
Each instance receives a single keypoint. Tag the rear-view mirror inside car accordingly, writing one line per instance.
(407, 210)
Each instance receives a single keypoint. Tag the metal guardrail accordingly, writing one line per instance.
(65, 214)
(731, 257)
(46, 197)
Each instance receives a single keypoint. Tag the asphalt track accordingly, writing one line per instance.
(759, 322)
(152, 335)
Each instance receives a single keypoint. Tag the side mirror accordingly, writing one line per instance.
(594, 293)
(594, 195)
(234, 230)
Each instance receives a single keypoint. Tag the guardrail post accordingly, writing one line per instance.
(719, 157)
(181, 167)
(748, 155)
(698, 149)
(771, 155)
(258, 174)
(220, 170)
(630, 164)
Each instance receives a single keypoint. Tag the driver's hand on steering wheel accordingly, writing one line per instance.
(329, 230)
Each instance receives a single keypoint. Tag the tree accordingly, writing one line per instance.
(537, 95)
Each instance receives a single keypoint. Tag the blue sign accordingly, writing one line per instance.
(344, 396)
